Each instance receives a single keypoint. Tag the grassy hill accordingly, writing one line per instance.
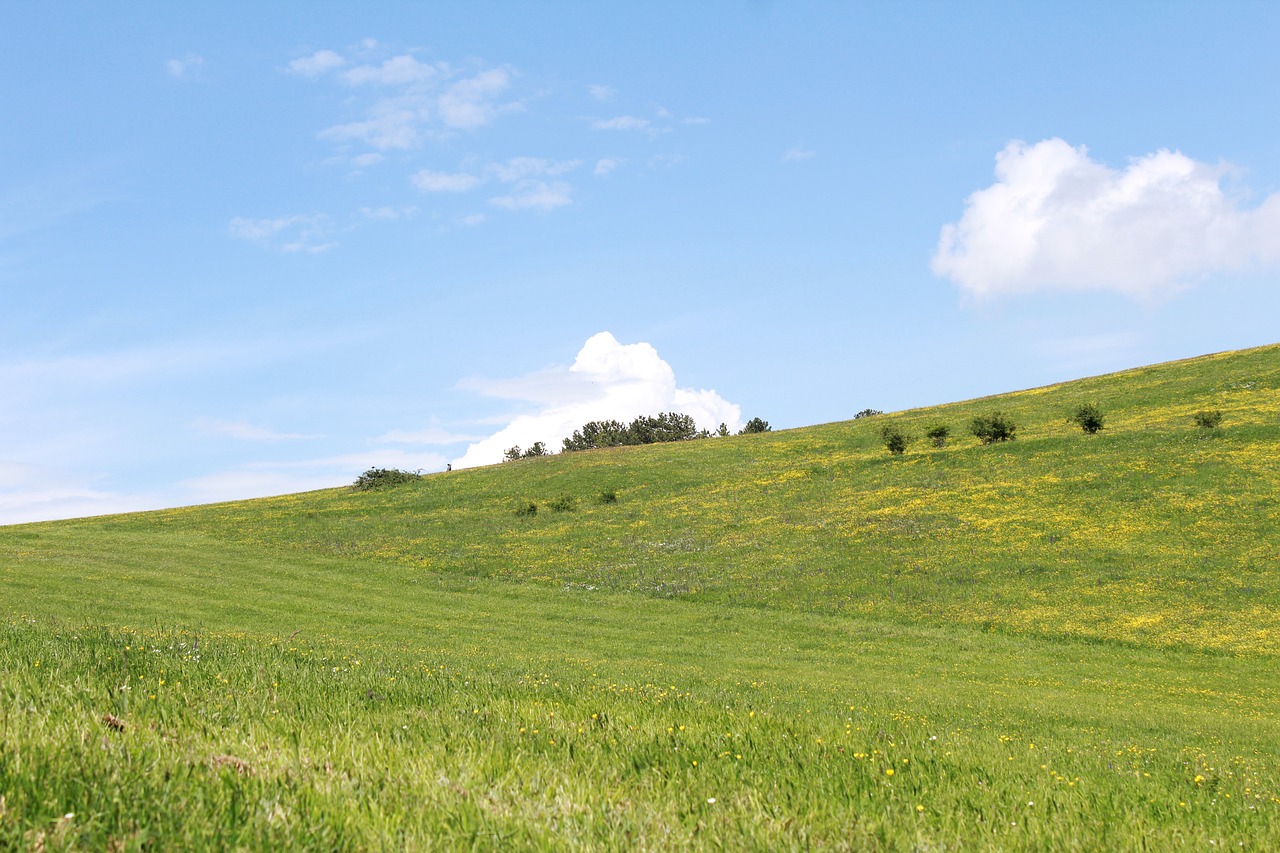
(1061, 642)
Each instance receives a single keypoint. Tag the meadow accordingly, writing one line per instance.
(788, 640)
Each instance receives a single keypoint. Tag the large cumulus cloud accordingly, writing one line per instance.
(1057, 219)
(607, 381)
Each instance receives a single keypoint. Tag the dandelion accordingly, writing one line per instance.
(919, 808)
(888, 771)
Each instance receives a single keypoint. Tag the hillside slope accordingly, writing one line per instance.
(1152, 531)
(790, 640)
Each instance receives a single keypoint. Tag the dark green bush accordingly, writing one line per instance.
(564, 503)
(381, 478)
(608, 496)
(994, 427)
(526, 508)
(1209, 419)
(755, 425)
(895, 440)
(866, 413)
(938, 434)
(1088, 417)
(646, 429)
(511, 454)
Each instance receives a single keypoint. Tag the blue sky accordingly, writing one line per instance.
(250, 250)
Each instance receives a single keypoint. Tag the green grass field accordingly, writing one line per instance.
(789, 640)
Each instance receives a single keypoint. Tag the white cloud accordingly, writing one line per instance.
(388, 212)
(472, 219)
(43, 493)
(363, 161)
(607, 381)
(245, 431)
(472, 103)
(622, 123)
(601, 92)
(796, 152)
(406, 101)
(393, 124)
(184, 66)
(288, 233)
(430, 435)
(535, 195)
(317, 63)
(1057, 219)
(264, 479)
(445, 182)
(605, 165)
(396, 71)
(519, 168)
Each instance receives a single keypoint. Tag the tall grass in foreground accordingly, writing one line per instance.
(139, 740)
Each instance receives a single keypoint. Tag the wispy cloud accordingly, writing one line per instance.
(320, 62)
(605, 165)
(389, 212)
(396, 71)
(267, 478)
(445, 182)
(243, 431)
(302, 233)
(530, 180)
(184, 67)
(607, 380)
(519, 168)
(406, 101)
(623, 123)
(536, 195)
(601, 92)
(42, 493)
(428, 436)
(797, 152)
(1056, 219)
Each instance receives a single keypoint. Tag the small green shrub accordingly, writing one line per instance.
(895, 440)
(564, 503)
(526, 508)
(608, 496)
(994, 427)
(1209, 419)
(755, 425)
(938, 434)
(381, 478)
(1088, 417)
(866, 413)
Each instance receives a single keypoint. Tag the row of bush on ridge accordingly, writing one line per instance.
(997, 426)
(646, 429)
(670, 426)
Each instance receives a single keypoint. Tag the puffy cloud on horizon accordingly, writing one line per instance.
(41, 493)
(607, 381)
(265, 479)
(1055, 219)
